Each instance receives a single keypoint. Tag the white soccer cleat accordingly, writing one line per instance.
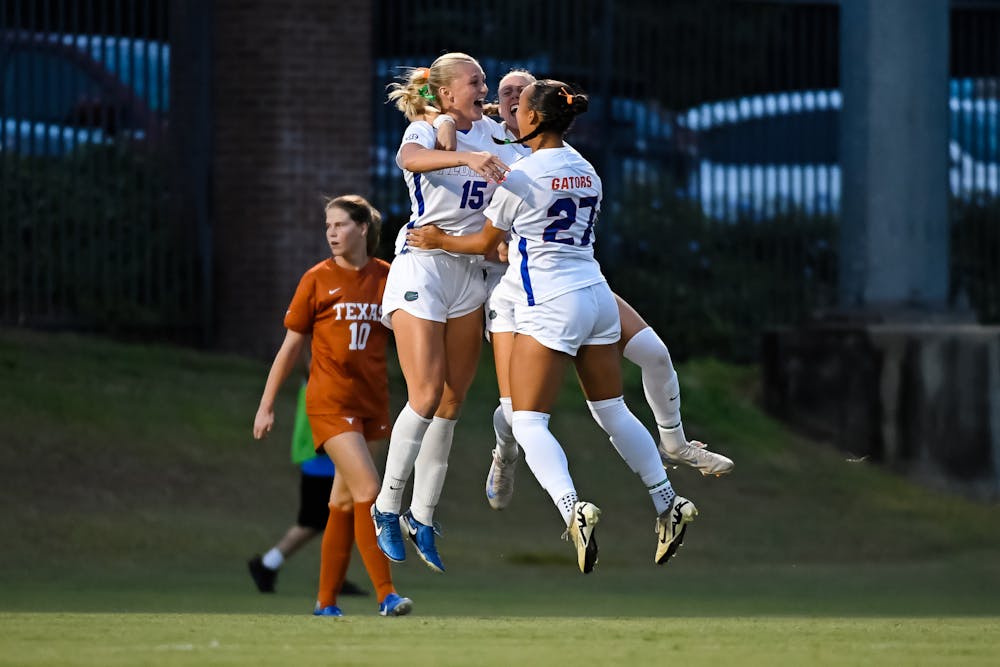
(697, 456)
(500, 480)
(581, 532)
(671, 526)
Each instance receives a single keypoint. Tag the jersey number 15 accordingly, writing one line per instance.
(473, 194)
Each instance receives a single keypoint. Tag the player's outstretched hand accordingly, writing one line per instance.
(427, 237)
(487, 165)
(262, 423)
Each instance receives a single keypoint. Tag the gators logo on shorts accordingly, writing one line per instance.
(410, 296)
(492, 314)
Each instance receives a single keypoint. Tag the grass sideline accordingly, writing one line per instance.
(228, 639)
(133, 495)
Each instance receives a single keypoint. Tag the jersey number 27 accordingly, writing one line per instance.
(564, 210)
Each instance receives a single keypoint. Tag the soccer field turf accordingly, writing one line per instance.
(930, 613)
(133, 496)
(228, 639)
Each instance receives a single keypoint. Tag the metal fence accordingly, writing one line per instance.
(86, 234)
(714, 125)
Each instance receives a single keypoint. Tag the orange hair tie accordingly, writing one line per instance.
(424, 73)
(569, 98)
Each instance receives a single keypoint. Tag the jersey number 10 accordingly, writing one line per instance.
(359, 335)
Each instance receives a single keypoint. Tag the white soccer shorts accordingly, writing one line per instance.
(587, 316)
(499, 307)
(436, 287)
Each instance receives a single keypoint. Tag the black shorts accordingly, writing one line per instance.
(314, 501)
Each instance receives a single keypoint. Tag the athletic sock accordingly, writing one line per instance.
(630, 439)
(335, 554)
(544, 455)
(376, 564)
(673, 439)
(659, 379)
(431, 469)
(662, 495)
(273, 559)
(506, 444)
(404, 445)
(565, 506)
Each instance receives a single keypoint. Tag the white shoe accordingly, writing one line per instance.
(500, 480)
(581, 532)
(671, 526)
(696, 455)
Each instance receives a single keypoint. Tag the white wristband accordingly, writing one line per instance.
(441, 120)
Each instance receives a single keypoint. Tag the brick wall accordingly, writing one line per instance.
(292, 123)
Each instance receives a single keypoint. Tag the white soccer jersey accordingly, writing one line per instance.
(453, 199)
(549, 202)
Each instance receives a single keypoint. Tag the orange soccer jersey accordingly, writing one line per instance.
(342, 309)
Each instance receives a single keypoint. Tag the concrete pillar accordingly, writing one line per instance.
(894, 148)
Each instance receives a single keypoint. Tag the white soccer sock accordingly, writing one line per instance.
(673, 439)
(508, 409)
(659, 379)
(431, 468)
(404, 445)
(662, 494)
(565, 506)
(630, 438)
(273, 559)
(544, 455)
(506, 443)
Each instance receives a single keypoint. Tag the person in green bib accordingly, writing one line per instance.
(315, 482)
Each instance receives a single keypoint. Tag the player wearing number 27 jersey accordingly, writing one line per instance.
(554, 195)
(341, 309)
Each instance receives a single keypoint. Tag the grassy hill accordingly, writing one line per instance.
(131, 483)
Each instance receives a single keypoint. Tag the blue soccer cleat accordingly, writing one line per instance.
(394, 605)
(331, 610)
(388, 535)
(422, 536)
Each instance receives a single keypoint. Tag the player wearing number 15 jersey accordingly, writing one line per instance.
(433, 299)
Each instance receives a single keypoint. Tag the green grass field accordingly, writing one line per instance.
(133, 494)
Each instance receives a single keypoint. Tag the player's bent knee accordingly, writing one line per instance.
(342, 504)
(424, 400)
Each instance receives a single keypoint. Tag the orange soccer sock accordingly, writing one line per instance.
(375, 561)
(335, 555)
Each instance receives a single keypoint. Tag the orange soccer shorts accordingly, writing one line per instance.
(325, 427)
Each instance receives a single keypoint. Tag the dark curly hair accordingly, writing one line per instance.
(557, 103)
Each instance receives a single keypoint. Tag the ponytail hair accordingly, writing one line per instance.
(557, 103)
(417, 89)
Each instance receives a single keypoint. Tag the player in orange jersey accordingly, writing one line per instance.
(338, 304)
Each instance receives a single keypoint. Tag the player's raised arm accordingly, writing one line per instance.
(446, 132)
